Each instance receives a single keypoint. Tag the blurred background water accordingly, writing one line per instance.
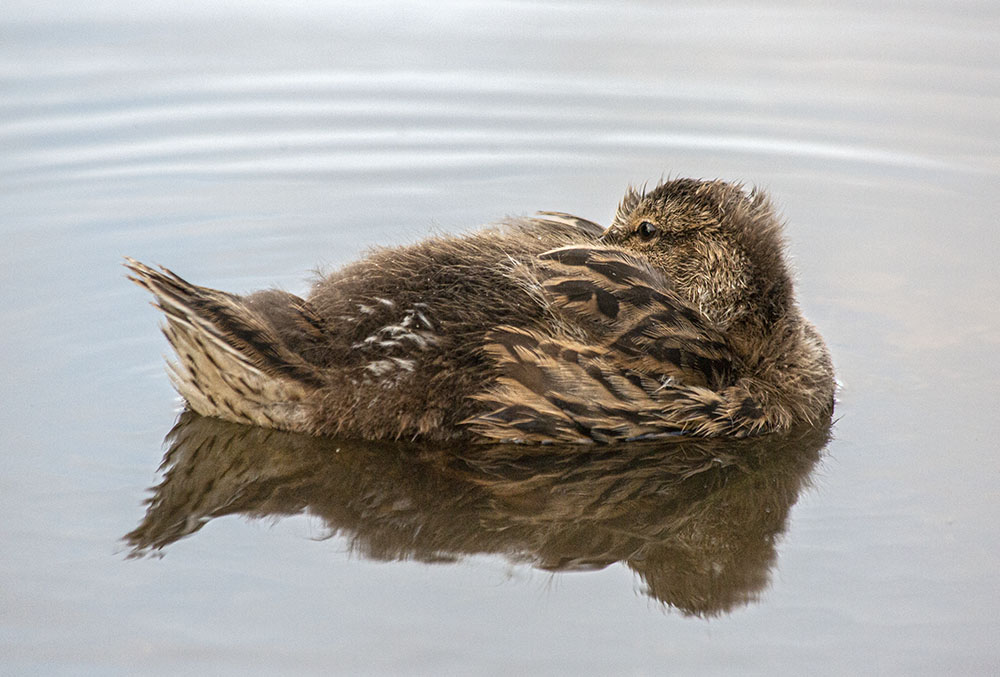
(246, 144)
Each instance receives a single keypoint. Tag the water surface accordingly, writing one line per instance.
(245, 147)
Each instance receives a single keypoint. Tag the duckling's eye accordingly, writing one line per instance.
(647, 230)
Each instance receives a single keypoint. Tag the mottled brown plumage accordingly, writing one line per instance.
(677, 319)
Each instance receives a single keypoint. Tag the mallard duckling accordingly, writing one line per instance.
(679, 318)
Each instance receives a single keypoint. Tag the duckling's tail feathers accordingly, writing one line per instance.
(232, 364)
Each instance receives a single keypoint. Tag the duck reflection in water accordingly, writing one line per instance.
(697, 519)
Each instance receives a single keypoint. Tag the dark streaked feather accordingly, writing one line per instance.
(651, 364)
(632, 311)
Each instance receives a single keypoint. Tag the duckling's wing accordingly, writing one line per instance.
(553, 389)
(619, 303)
(624, 358)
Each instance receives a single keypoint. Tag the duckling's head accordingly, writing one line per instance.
(721, 246)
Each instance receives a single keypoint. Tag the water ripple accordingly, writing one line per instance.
(323, 122)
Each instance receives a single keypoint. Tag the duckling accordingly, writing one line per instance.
(677, 319)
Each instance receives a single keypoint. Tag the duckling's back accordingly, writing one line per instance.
(389, 347)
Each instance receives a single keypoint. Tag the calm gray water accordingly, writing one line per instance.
(245, 147)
